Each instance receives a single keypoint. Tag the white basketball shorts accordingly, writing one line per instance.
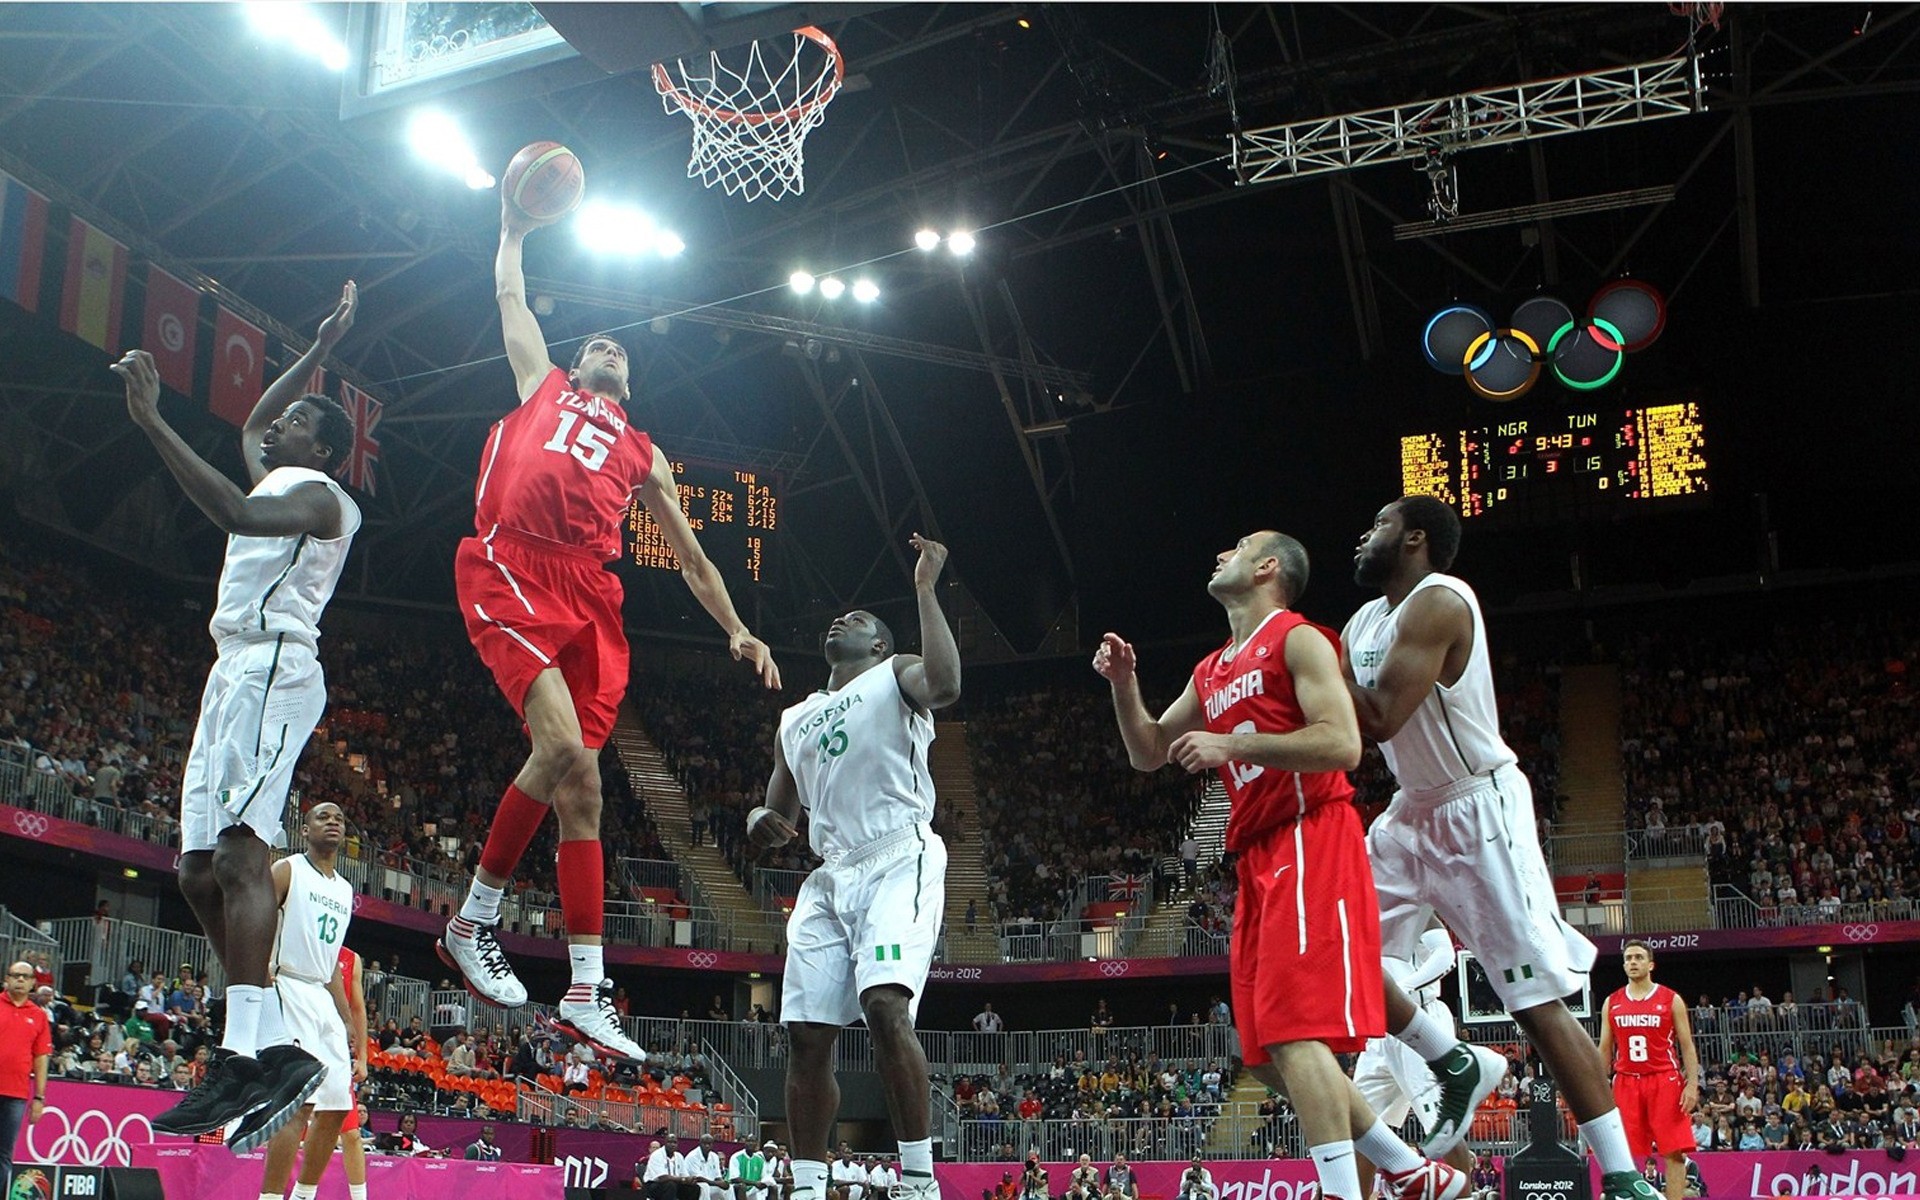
(871, 917)
(313, 1024)
(1395, 1081)
(263, 699)
(1470, 853)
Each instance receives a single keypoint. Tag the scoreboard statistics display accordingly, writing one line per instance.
(1545, 466)
(734, 512)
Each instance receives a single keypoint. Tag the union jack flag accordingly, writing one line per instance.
(1126, 887)
(365, 455)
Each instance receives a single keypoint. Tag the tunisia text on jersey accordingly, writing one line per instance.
(1248, 689)
(1643, 1041)
(561, 467)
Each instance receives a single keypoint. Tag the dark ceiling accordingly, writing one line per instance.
(1225, 357)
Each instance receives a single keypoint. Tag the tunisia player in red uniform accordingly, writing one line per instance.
(544, 614)
(1270, 712)
(1646, 1035)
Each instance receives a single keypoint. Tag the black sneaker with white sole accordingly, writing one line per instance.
(289, 1075)
(227, 1093)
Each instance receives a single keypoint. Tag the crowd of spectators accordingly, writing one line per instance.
(1058, 801)
(1787, 751)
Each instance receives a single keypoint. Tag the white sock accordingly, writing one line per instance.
(304, 1191)
(1339, 1175)
(482, 905)
(269, 1196)
(1385, 1150)
(243, 1018)
(272, 1029)
(588, 963)
(1608, 1137)
(1427, 1037)
(916, 1159)
(356, 1191)
(809, 1179)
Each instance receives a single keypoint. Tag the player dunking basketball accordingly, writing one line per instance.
(1268, 711)
(544, 614)
(1647, 1037)
(1459, 836)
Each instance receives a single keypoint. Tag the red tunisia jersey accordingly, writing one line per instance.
(347, 958)
(1251, 691)
(1643, 1040)
(561, 468)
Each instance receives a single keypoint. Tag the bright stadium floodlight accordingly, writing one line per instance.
(866, 291)
(961, 243)
(800, 282)
(927, 239)
(832, 288)
(623, 229)
(298, 25)
(438, 140)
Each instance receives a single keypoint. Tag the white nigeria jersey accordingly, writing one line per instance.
(282, 584)
(313, 923)
(1455, 733)
(859, 756)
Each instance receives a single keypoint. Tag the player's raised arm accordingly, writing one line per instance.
(933, 679)
(662, 499)
(292, 383)
(526, 345)
(1329, 740)
(1147, 739)
(308, 508)
(1434, 621)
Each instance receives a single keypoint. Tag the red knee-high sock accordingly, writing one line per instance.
(583, 887)
(514, 824)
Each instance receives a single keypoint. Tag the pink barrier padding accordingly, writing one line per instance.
(215, 1173)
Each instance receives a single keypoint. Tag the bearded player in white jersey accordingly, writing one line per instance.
(863, 928)
(1459, 837)
(287, 542)
(316, 906)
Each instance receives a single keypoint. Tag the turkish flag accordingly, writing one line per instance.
(239, 359)
(172, 325)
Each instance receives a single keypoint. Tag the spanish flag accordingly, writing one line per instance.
(96, 286)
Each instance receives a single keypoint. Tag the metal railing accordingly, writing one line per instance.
(21, 942)
(743, 1105)
(651, 873)
(1581, 847)
(24, 787)
(109, 948)
(774, 887)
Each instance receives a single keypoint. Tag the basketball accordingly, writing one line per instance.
(545, 181)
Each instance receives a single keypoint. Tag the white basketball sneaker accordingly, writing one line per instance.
(596, 1023)
(475, 952)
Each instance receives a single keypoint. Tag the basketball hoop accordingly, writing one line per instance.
(751, 120)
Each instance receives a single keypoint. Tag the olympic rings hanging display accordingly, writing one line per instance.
(1585, 352)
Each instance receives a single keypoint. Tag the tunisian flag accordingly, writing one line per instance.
(239, 358)
(172, 326)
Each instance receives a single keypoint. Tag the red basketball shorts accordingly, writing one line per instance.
(1650, 1109)
(528, 610)
(1306, 938)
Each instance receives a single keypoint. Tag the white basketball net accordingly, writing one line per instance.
(750, 122)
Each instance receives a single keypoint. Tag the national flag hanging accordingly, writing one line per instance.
(318, 384)
(239, 357)
(365, 455)
(1126, 887)
(23, 240)
(171, 328)
(95, 290)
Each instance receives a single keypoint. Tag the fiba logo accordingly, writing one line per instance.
(31, 1183)
(173, 335)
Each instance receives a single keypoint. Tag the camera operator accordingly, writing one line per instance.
(1084, 1183)
(1033, 1179)
(1196, 1182)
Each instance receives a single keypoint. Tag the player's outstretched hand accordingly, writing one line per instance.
(1198, 750)
(1115, 660)
(143, 385)
(768, 830)
(745, 646)
(513, 221)
(933, 559)
(341, 319)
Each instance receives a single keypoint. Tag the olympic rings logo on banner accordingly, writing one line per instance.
(72, 1144)
(702, 958)
(1860, 933)
(1115, 968)
(32, 824)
